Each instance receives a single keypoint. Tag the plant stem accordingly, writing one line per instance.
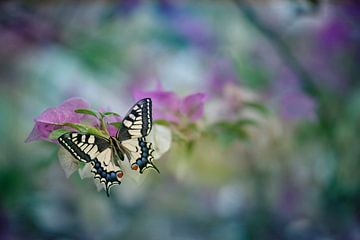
(103, 125)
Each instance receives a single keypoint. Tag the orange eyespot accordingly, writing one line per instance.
(120, 174)
(134, 167)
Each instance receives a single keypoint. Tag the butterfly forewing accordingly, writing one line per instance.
(84, 147)
(137, 122)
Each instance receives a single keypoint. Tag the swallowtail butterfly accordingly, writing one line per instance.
(102, 152)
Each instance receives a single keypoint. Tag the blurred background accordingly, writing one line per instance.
(274, 156)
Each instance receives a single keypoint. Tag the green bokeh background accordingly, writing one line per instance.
(292, 175)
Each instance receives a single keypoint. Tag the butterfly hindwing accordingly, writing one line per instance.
(137, 122)
(140, 153)
(105, 170)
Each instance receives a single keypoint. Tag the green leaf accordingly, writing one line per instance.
(227, 136)
(161, 122)
(57, 133)
(241, 133)
(190, 147)
(250, 74)
(87, 111)
(80, 127)
(110, 113)
(258, 107)
(96, 131)
(116, 124)
(243, 122)
(227, 132)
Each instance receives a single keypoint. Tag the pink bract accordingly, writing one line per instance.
(51, 117)
(170, 107)
(192, 106)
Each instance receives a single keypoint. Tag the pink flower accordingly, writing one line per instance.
(168, 106)
(50, 119)
(192, 106)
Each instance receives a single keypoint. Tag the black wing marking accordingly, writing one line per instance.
(140, 153)
(105, 170)
(84, 147)
(97, 151)
(137, 122)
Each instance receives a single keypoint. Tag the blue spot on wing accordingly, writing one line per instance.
(108, 177)
(144, 161)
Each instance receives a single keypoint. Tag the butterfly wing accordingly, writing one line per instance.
(97, 151)
(105, 170)
(84, 147)
(139, 153)
(137, 122)
(135, 127)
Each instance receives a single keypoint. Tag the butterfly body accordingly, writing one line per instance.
(104, 153)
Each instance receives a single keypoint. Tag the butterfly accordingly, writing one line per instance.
(129, 141)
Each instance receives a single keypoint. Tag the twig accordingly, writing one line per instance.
(307, 84)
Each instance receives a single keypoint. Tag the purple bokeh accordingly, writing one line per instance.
(170, 107)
